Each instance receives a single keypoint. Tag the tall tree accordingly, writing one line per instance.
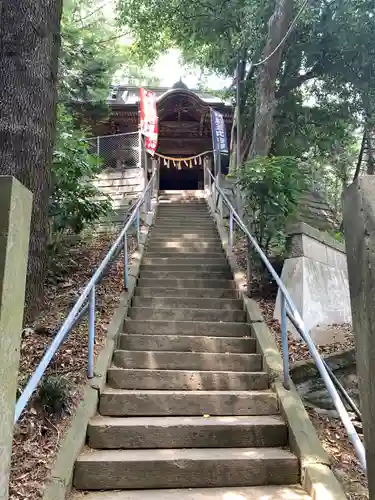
(266, 102)
(29, 51)
(331, 44)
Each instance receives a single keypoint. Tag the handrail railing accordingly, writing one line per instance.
(288, 309)
(86, 301)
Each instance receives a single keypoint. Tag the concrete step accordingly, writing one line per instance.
(180, 432)
(188, 303)
(292, 492)
(200, 328)
(176, 256)
(186, 380)
(196, 229)
(191, 221)
(189, 468)
(123, 403)
(202, 361)
(186, 220)
(184, 235)
(175, 209)
(202, 239)
(211, 293)
(188, 247)
(183, 266)
(186, 261)
(191, 274)
(183, 314)
(175, 204)
(186, 343)
(187, 283)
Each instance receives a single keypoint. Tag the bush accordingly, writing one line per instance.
(74, 202)
(54, 394)
(271, 188)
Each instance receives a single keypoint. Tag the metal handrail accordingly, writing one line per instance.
(289, 309)
(86, 301)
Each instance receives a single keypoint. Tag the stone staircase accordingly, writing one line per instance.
(187, 412)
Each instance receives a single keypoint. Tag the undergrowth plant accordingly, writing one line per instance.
(75, 201)
(271, 187)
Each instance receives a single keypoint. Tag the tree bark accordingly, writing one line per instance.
(360, 155)
(370, 154)
(29, 51)
(266, 80)
(233, 160)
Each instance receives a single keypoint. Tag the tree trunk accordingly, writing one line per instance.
(29, 50)
(370, 153)
(360, 155)
(266, 80)
(240, 77)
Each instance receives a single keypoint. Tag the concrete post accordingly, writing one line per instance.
(359, 227)
(15, 213)
(156, 168)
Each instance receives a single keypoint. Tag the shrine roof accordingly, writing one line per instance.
(128, 95)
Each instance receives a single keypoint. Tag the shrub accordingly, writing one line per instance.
(54, 394)
(74, 201)
(271, 188)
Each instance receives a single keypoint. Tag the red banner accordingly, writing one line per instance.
(149, 120)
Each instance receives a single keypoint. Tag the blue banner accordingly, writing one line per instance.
(219, 133)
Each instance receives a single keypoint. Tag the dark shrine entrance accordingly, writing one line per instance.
(184, 132)
(185, 179)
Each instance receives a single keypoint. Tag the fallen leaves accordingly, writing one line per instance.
(38, 434)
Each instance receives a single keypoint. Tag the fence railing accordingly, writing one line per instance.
(117, 150)
(288, 310)
(86, 301)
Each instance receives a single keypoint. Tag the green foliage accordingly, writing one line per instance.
(73, 204)
(54, 394)
(86, 63)
(271, 187)
(337, 235)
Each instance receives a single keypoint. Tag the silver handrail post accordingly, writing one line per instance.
(138, 223)
(284, 342)
(126, 270)
(231, 234)
(90, 362)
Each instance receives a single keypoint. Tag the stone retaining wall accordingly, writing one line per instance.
(316, 277)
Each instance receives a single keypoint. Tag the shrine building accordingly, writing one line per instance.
(184, 133)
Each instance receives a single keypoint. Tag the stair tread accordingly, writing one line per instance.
(188, 372)
(161, 321)
(293, 492)
(168, 421)
(162, 326)
(173, 454)
(165, 309)
(188, 302)
(157, 392)
(187, 343)
(209, 355)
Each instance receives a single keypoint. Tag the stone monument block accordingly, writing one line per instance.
(15, 213)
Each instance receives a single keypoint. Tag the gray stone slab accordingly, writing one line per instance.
(120, 403)
(186, 432)
(15, 214)
(116, 469)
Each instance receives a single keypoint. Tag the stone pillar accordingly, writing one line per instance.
(156, 168)
(207, 164)
(15, 212)
(359, 226)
